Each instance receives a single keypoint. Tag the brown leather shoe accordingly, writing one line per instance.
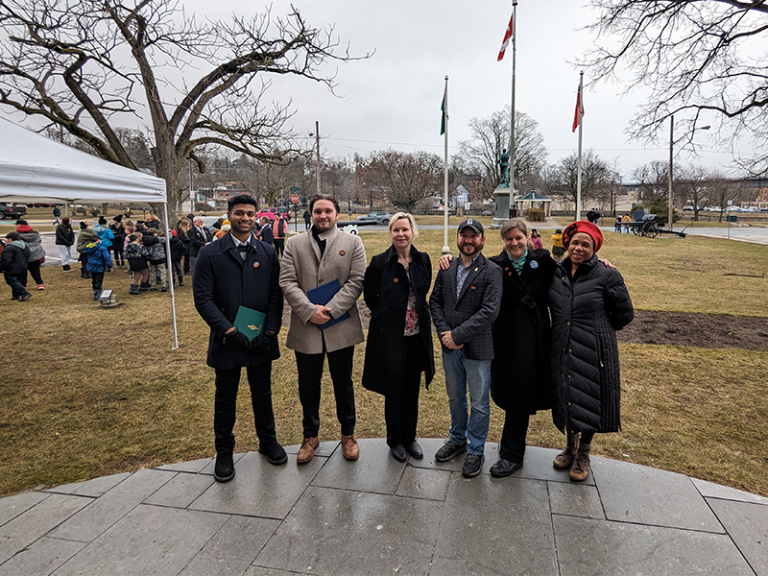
(351, 448)
(565, 458)
(307, 450)
(581, 465)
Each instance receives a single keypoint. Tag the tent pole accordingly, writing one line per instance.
(169, 266)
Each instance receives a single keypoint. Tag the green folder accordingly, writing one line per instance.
(249, 321)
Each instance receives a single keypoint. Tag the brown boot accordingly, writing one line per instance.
(307, 450)
(351, 449)
(565, 458)
(580, 468)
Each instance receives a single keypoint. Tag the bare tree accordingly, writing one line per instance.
(86, 64)
(653, 179)
(405, 178)
(700, 59)
(490, 136)
(691, 181)
(599, 180)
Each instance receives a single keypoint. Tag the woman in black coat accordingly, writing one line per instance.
(589, 303)
(399, 346)
(520, 373)
(65, 239)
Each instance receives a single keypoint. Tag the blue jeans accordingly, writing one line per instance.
(462, 373)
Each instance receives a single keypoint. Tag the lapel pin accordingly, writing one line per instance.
(534, 264)
(475, 269)
(255, 264)
(396, 280)
(341, 252)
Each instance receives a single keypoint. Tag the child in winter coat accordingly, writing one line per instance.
(137, 257)
(99, 261)
(155, 246)
(14, 260)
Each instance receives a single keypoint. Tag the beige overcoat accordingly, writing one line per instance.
(302, 269)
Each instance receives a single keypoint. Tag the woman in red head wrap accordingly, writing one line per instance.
(588, 303)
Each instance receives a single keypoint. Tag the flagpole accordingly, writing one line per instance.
(446, 249)
(578, 169)
(512, 126)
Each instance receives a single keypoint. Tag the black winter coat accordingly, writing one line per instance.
(385, 290)
(177, 249)
(155, 246)
(65, 236)
(14, 259)
(520, 370)
(222, 282)
(586, 312)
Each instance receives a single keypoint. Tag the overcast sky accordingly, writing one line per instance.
(392, 100)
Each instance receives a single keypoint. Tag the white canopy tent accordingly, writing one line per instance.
(36, 169)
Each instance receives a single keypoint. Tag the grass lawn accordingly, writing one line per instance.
(88, 392)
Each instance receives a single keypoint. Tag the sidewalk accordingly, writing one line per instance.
(378, 516)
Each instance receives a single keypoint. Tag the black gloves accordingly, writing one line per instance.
(236, 340)
(264, 341)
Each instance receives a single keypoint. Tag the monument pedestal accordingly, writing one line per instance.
(501, 197)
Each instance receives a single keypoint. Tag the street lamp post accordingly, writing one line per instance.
(671, 152)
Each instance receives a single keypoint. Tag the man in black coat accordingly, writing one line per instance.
(464, 303)
(239, 270)
(199, 236)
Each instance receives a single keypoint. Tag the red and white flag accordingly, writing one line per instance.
(579, 108)
(505, 42)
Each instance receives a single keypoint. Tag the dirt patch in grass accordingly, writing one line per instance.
(697, 330)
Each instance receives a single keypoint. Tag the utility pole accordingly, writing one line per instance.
(317, 142)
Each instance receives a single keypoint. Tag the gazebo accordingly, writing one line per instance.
(534, 200)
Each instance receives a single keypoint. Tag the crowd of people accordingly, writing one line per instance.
(529, 331)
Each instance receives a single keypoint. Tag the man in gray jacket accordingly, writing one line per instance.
(317, 258)
(464, 303)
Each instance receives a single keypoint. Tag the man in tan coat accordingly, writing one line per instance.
(322, 255)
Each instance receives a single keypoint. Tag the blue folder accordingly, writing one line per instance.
(322, 295)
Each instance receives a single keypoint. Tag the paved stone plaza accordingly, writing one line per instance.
(378, 516)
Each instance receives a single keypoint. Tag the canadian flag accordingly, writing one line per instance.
(505, 42)
(579, 108)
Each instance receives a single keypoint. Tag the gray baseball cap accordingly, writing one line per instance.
(474, 224)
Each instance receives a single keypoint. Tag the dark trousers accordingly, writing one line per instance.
(17, 289)
(512, 445)
(279, 244)
(186, 262)
(34, 271)
(225, 404)
(97, 279)
(401, 405)
(84, 262)
(310, 369)
(117, 250)
(177, 275)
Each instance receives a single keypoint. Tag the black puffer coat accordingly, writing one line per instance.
(586, 312)
(520, 370)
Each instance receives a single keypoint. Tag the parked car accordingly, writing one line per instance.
(10, 211)
(486, 213)
(381, 218)
(272, 213)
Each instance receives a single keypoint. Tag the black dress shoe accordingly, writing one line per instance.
(398, 453)
(224, 470)
(504, 468)
(274, 453)
(414, 450)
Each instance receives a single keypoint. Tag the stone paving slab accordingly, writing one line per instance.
(495, 526)
(379, 516)
(747, 524)
(149, 539)
(103, 512)
(259, 489)
(344, 532)
(42, 557)
(632, 493)
(586, 546)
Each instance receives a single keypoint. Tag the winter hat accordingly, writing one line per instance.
(21, 222)
(585, 227)
(173, 233)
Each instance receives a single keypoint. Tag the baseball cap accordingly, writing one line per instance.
(472, 223)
